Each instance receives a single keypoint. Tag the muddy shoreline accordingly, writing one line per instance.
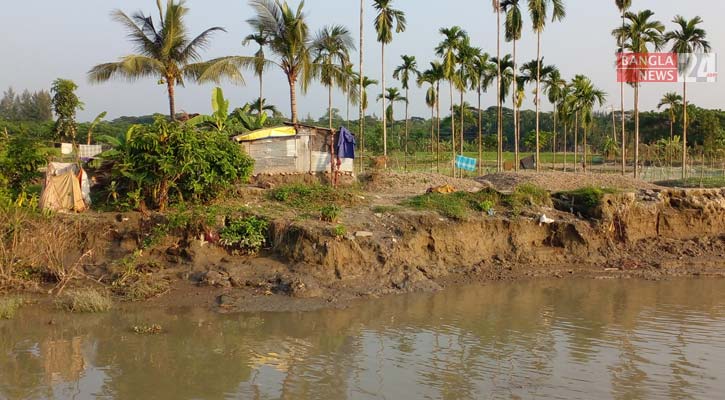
(648, 234)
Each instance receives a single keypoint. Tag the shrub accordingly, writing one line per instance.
(485, 205)
(9, 306)
(248, 234)
(84, 301)
(453, 205)
(167, 159)
(585, 200)
(339, 231)
(330, 213)
(312, 197)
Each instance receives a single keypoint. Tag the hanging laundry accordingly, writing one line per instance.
(345, 147)
(466, 163)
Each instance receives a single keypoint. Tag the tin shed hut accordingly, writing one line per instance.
(290, 149)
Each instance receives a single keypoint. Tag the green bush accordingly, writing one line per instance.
(330, 213)
(339, 231)
(84, 301)
(21, 157)
(171, 161)
(585, 200)
(248, 234)
(311, 197)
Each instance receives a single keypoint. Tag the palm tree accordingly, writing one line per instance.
(554, 87)
(364, 104)
(448, 49)
(436, 74)
(499, 115)
(529, 73)
(361, 87)
(431, 99)
(260, 38)
(539, 14)
(514, 28)
(639, 31)
(260, 105)
(164, 51)
(408, 69)
(623, 6)
(505, 83)
(673, 101)
(331, 52)
(483, 73)
(586, 95)
(689, 38)
(386, 19)
(466, 72)
(392, 95)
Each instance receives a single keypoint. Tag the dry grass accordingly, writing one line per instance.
(9, 306)
(84, 301)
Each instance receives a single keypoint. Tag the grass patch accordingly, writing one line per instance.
(585, 201)
(338, 231)
(312, 197)
(385, 209)
(459, 204)
(84, 301)
(247, 234)
(712, 182)
(142, 287)
(9, 306)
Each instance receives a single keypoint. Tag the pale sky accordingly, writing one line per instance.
(46, 39)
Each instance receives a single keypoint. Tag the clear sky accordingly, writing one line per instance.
(45, 39)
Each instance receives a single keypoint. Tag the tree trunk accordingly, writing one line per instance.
(480, 134)
(684, 130)
(292, 80)
(499, 115)
(576, 141)
(636, 131)
(621, 97)
(432, 134)
(385, 117)
(438, 128)
(461, 138)
(261, 83)
(329, 105)
(565, 149)
(405, 156)
(453, 131)
(553, 141)
(584, 150)
(517, 160)
(362, 110)
(538, 85)
(172, 103)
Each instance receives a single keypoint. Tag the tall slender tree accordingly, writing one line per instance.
(483, 74)
(392, 95)
(331, 52)
(431, 98)
(639, 31)
(361, 87)
(387, 21)
(539, 11)
(499, 115)
(554, 87)
(367, 82)
(164, 51)
(453, 39)
(623, 6)
(587, 96)
(260, 38)
(673, 102)
(407, 70)
(530, 71)
(514, 29)
(687, 39)
(467, 56)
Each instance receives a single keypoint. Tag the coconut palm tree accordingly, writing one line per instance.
(499, 115)
(392, 95)
(483, 74)
(673, 102)
(587, 96)
(623, 6)
(514, 28)
(639, 32)
(260, 106)
(163, 51)
(689, 38)
(431, 99)
(331, 55)
(367, 82)
(387, 20)
(403, 73)
(448, 49)
(554, 87)
(530, 71)
(539, 11)
(260, 38)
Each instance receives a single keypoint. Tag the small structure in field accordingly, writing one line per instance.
(288, 150)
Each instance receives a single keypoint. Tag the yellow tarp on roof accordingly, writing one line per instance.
(281, 131)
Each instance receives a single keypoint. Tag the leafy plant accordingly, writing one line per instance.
(65, 105)
(330, 213)
(248, 234)
(339, 231)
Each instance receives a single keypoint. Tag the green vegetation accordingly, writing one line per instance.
(339, 231)
(84, 301)
(330, 213)
(312, 198)
(458, 205)
(247, 234)
(585, 201)
(170, 161)
(712, 182)
(9, 306)
(29, 106)
(65, 105)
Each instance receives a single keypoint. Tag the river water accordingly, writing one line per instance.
(567, 339)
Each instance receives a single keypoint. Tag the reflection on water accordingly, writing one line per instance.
(561, 339)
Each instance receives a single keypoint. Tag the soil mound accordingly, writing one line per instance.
(414, 183)
(563, 181)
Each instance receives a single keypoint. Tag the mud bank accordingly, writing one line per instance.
(650, 234)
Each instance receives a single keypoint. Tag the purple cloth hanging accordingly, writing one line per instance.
(345, 147)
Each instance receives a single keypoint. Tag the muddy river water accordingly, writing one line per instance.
(565, 339)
